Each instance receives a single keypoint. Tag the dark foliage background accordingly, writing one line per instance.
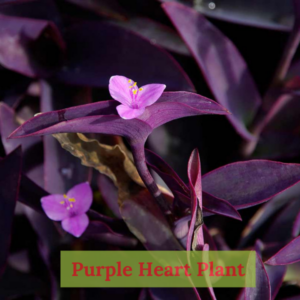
(59, 54)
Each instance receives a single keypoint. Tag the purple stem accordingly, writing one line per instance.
(138, 152)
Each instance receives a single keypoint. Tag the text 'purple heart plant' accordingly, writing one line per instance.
(70, 208)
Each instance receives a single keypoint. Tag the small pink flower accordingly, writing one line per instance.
(134, 99)
(70, 208)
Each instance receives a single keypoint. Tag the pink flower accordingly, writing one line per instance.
(70, 208)
(134, 99)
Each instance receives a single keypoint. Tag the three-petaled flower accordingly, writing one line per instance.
(70, 208)
(134, 99)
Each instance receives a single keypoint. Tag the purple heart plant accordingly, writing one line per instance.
(141, 112)
(57, 61)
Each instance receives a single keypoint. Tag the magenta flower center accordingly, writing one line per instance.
(69, 204)
(135, 90)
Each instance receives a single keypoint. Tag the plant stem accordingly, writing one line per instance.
(138, 152)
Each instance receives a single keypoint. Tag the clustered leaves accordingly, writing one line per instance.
(138, 184)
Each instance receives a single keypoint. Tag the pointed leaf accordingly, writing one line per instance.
(157, 33)
(296, 226)
(287, 255)
(249, 183)
(280, 230)
(168, 175)
(222, 65)
(31, 147)
(276, 275)
(21, 38)
(211, 204)
(252, 13)
(219, 206)
(101, 117)
(195, 238)
(262, 289)
(265, 212)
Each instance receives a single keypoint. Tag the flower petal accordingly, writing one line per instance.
(54, 208)
(127, 112)
(83, 195)
(149, 94)
(119, 89)
(76, 225)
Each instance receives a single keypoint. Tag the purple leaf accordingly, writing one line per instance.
(89, 63)
(262, 289)
(101, 117)
(31, 147)
(214, 205)
(223, 67)
(21, 38)
(147, 223)
(62, 170)
(90, 119)
(281, 228)
(168, 175)
(267, 211)
(251, 13)
(245, 184)
(195, 238)
(280, 135)
(276, 275)
(287, 255)
(181, 229)
(10, 177)
(8, 123)
(211, 204)
(296, 226)
(156, 33)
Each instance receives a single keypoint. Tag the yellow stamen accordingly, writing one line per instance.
(72, 200)
(71, 205)
(65, 196)
(134, 92)
(140, 89)
(62, 202)
(129, 81)
(131, 87)
(134, 84)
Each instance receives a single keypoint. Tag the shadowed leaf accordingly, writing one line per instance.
(249, 183)
(10, 176)
(223, 67)
(287, 255)
(89, 63)
(22, 39)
